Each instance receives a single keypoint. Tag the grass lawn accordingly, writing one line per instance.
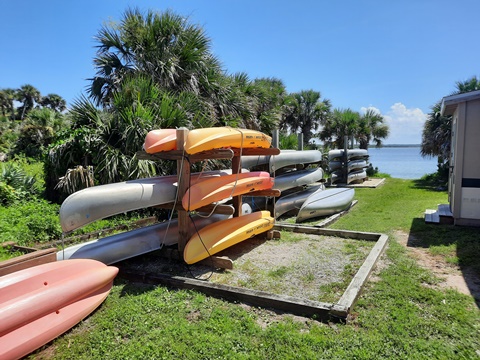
(403, 313)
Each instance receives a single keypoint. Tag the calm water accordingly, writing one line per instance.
(402, 162)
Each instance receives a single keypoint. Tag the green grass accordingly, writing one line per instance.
(403, 314)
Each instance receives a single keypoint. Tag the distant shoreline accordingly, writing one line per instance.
(396, 146)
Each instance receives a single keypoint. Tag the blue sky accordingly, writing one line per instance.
(399, 57)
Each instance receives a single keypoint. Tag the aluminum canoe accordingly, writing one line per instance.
(284, 159)
(351, 153)
(295, 200)
(126, 245)
(297, 178)
(326, 202)
(98, 202)
(353, 177)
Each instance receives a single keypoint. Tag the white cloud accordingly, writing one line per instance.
(405, 124)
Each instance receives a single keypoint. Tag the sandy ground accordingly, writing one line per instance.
(462, 280)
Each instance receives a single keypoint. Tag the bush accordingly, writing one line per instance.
(30, 222)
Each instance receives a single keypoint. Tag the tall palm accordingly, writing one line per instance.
(436, 135)
(305, 112)
(54, 102)
(7, 97)
(371, 126)
(28, 95)
(164, 46)
(341, 123)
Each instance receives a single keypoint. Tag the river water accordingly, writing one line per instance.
(402, 162)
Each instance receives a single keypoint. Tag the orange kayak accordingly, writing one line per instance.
(199, 140)
(212, 190)
(160, 140)
(40, 303)
(223, 234)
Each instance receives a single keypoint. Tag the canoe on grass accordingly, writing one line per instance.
(40, 303)
(295, 200)
(98, 202)
(126, 245)
(223, 234)
(215, 189)
(326, 202)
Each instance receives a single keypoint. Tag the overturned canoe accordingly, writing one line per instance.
(325, 202)
(98, 202)
(294, 179)
(282, 160)
(294, 201)
(160, 140)
(351, 154)
(118, 247)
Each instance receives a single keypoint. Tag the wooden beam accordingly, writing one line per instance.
(28, 260)
(179, 154)
(272, 192)
(350, 296)
(183, 173)
(256, 151)
(303, 307)
(237, 200)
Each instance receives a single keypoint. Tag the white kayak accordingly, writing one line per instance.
(118, 247)
(352, 177)
(351, 154)
(297, 178)
(284, 159)
(325, 203)
(294, 201)
(98, 202)
(351, 165)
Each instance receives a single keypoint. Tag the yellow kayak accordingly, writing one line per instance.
(221, 235)
(199, 140)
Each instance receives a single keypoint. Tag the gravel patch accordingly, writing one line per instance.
(299, 265)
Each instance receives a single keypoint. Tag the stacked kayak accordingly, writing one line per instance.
(349, 168)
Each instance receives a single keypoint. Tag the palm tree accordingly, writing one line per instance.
(305, 112)
(341, 123)
(7, 97)
(28, 95)
(436, 135)
(371, 126)
(163, 46)
(54, 102)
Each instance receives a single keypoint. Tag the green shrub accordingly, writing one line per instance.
(30, 222)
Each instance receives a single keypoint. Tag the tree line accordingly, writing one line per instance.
(156, 70)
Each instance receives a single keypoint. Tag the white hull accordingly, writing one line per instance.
(285, 158)
(351, 153)
(133, 243)
(294, 179)
(326, 202)
(98, 202)
(294, 201)
(351, 165)
(353, 177)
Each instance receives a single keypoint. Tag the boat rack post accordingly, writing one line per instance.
(183, 173)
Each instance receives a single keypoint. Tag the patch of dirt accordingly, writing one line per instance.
(451, 276)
